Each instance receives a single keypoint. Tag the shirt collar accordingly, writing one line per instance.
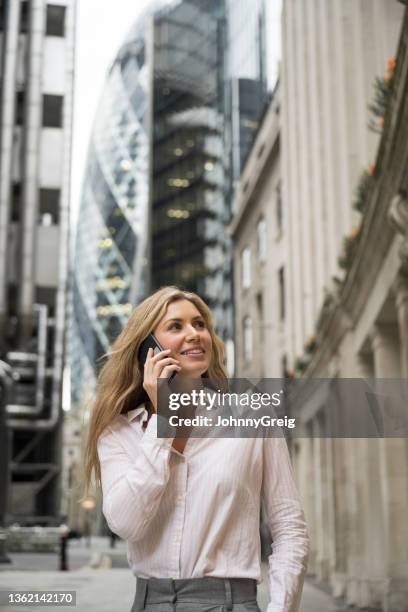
(137, 412)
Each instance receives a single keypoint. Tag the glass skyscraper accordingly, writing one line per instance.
(172, 131)
(187, 199)
(109, 273)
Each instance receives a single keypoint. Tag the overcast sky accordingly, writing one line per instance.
(101, 27)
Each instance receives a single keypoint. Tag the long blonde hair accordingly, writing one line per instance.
(120, 380)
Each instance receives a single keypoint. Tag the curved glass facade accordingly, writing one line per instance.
(110, 261)
(158, 183)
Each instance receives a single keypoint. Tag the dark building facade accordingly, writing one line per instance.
(187, 198)
(205, 112)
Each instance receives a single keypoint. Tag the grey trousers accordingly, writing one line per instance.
(195, 595)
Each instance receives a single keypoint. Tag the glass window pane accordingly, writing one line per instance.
(52, 111)
(55, 20)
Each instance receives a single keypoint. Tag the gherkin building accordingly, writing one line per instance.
(109, 274)
(175, 121)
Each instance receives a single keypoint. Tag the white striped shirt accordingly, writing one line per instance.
(197, 514)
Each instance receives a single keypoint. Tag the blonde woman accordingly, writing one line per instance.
(189, 508)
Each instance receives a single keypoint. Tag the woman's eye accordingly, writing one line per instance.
(200, 324)
(175, 326)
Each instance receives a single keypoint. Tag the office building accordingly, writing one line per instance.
(109, 275)
(173, 126)
(37, 63)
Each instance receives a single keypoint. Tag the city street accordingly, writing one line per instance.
(108, 586)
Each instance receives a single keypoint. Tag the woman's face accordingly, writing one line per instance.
(183, 330)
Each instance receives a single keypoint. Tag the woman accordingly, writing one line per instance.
(189, 508)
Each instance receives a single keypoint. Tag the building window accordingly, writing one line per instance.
(281, 281)
(52, 111)
(246, 267)
(20, 108)
(49, 206)
(47, 296)
(24, 16)
(2, 15)
(279, 211)
(284, 367)
(247, 339)
(260, 317)
(55, 20)
(261, 231)
(259, 304)
(16, 203)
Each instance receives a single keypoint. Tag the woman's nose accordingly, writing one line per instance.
(192, 332)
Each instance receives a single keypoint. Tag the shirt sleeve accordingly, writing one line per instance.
(132, 487)
(290, 540)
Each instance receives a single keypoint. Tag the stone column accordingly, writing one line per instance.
(356, 541)
(364, 552)
(340, 513)
(307, 489)
(401, 303)
(323, 532)
(393, 483)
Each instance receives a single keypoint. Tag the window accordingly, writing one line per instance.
(24, 17)
(16, 202)
(259, 306)
(20, 108)
(49, 206)
(281, 281)
(2, 15)
(260, 318)
(47, 296)
(52, 111)
(247, 339)
(284, 367)
(261, 231)
(279, 211)
(246, 268)
(55, 20)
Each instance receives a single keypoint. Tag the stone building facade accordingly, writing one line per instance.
(332, 53)
(257, 233)
(354, 490)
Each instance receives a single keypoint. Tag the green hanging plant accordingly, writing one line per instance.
(349, 246)
(382, 95)
(300, 364)
(363, 188)
(311, 345)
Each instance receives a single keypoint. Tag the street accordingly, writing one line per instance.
(109, 586)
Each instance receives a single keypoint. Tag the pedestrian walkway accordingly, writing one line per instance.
(109, 585)
(112, 590)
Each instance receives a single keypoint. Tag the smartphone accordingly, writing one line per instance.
(151, 342)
